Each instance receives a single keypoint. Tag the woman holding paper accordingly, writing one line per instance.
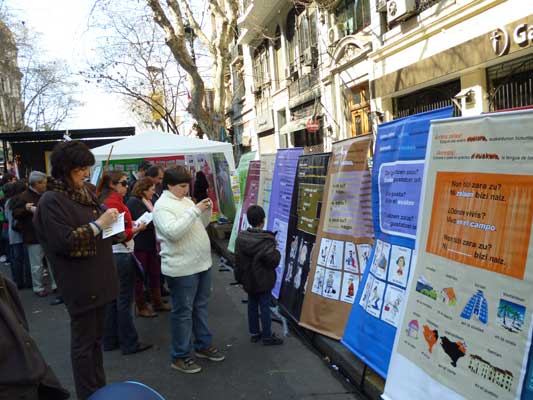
(68, 224)
(140, 204)
(119, 329)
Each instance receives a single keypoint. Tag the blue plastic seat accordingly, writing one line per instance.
(126, 390)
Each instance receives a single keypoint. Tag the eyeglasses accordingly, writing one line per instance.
(124, 183)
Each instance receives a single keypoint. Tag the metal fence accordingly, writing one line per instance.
(511, 84)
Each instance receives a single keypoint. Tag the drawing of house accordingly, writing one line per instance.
(486, 370)
(476, 306)
(448, 296)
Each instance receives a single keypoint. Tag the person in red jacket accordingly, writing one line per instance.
(119, 331)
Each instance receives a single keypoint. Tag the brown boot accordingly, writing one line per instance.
(156, 301)
(142, 309)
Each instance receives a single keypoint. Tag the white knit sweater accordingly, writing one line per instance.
(180, 227)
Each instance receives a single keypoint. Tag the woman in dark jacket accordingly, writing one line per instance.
(146, 252)
(69, 223)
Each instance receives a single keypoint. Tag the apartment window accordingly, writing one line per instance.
(260, 67)
(291, 36)
(355, 14)
(510, 84)
(278, 58)
(359, 110)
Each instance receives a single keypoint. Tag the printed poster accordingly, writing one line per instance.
(345, 224)
(306, 206)
(242, 173)
(251, 192)
(466, 327)
(280, 204)
(265, 182)
(223, 186)
(198, 163)
(398, 168)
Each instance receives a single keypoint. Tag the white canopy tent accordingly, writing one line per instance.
(161, 144)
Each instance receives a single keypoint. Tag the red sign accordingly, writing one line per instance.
(313, 126)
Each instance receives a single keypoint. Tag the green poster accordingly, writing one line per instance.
(223, 186)
(242, 172)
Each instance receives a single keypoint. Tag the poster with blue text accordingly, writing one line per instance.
(396, 184)
(280, 203)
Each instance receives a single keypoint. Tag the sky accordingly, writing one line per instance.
(63, 25)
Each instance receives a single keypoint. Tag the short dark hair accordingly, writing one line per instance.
(144, 165)
(141, 186)
(14, 188)
(176, 175)
(256, 215)
(153, 171)
(70, 155)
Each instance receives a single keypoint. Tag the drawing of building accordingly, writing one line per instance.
(476, 306)
(448, 296)
(486, 370)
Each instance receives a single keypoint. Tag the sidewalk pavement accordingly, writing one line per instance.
(363, 378)
(250, 371)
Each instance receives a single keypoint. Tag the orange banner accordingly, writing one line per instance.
(482, 220)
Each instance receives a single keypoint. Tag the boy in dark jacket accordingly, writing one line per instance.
(256, 260)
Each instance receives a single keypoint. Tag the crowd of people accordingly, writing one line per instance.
(55, 230)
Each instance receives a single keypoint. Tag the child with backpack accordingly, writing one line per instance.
(256, 259)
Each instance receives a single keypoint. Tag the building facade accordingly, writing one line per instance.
(310, 73)
(11, 106)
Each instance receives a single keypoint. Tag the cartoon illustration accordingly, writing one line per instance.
(350, 260)
(351, 287)
(318, 284)
(412, 329)
(381, 259)
(298, 277)
(477, 308)
(366, 292)
(431, 337)
(329, 284)
(324, 249)
(363, 252)
(511, 316)
(350, 284)
(454, 350)
(294, 247)
(400, 263)
(498, 375)
(288, 275)
(375, 298)
(424, 287)
(393, 307)
(447, 296)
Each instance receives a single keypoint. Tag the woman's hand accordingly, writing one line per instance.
(139, 228)
(107, 218)
(204, 205)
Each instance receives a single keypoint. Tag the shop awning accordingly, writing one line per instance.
(293, 126)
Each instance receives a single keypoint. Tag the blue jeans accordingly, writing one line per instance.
(119, 327)
(256, 302)
(21, 275)
(190, 296)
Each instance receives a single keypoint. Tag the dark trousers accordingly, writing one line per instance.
(18, 272)
(86, 351)
(152, 270)
(256, 302)
(119, 327)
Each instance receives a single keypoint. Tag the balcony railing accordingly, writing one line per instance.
(304, 83)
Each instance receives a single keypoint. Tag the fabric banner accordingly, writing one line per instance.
(204, 163)
(223, 186)
(466, 325)
(251, 192)
(306, 206)
(280, 204)
(265, 182)
(396, 184)
(345, 238)
(242, 173)
(167, 162)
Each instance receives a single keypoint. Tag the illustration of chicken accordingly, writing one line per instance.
(431, 337)
(455, 350)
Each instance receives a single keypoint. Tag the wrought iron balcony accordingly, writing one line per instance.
(304, 83)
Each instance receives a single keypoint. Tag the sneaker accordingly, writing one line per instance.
(211, 353)
(42, 293)
(186, 365)
(3, 259)
(255, 338)
(272, 340)
(139, 348)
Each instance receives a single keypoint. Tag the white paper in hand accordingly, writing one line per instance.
(116, 227)
(146, 218)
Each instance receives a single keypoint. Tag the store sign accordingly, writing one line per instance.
(501, 40)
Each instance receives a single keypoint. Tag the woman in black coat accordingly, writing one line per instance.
(146, 251)
(69, 223)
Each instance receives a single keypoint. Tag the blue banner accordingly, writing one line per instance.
(280, 203)
(396, 184)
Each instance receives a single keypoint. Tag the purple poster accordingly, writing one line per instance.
(400, 183)
(280, 203)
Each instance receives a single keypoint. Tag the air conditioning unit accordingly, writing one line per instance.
(381, 6)
(399, 9)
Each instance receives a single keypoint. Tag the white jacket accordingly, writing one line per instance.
(180, 227)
